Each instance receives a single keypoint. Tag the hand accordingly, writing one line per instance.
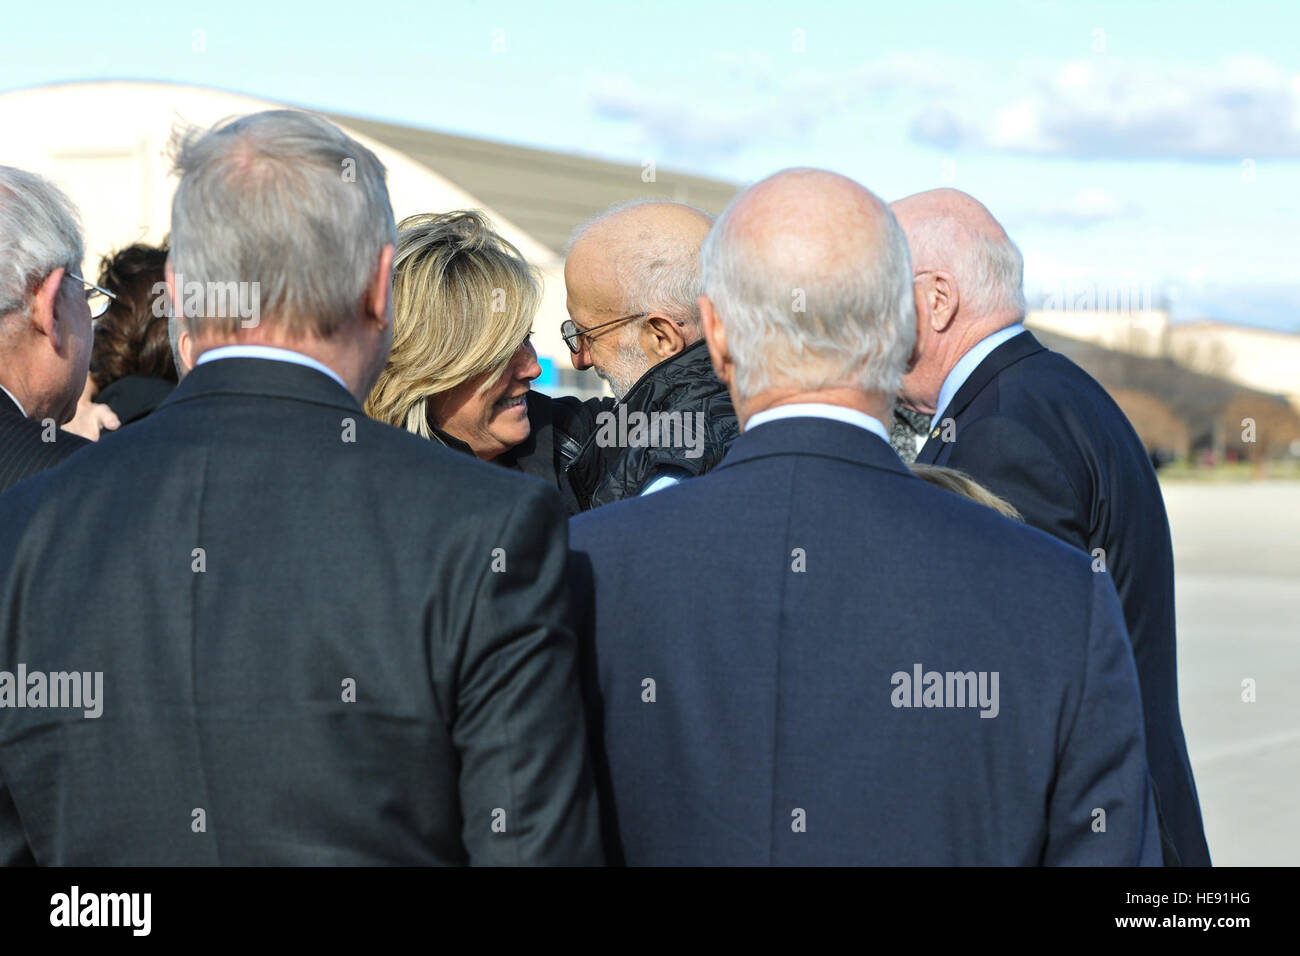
(91, 419)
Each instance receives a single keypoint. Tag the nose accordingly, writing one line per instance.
(527, 367)
(581, 359)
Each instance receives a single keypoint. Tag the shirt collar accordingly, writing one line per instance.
(820, 410)
(268, 352)
(967, 364)
(15, 400)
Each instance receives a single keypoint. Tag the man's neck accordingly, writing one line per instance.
(953, 352)
(876, 404)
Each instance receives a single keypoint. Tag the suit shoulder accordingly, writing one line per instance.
(979, 531)
(1050, 379)
(407, 457)
(26, 440)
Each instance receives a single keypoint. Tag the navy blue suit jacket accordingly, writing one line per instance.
(1036, 429)
(345, 677)
(750, 641)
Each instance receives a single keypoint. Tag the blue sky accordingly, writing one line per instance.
(1130, 148)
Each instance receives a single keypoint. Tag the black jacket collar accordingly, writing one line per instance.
(1004, 356)
(266, 378)
(451, 441)
(688, 368)
(9, 406)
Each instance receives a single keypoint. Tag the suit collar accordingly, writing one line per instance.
(967, 364)
(822, 437)
(265, 378)
(1005, 355)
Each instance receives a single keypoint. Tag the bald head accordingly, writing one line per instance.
(969, 283)
(952, 231)
(637, 226)
(637, 259)
(808, 275)
(815, 222)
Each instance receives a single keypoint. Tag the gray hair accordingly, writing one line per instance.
(40, 231)
(285, 201)
(663, 277)
(989, 269)
(854, 329)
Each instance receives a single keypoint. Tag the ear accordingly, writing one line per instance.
(185, 345)
(715, 337)
(42, 313)
(920, 312)
(941, 299)
(377, 301)
(666, 338)
(170, 278)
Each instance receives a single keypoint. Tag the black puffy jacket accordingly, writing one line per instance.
(602, 471)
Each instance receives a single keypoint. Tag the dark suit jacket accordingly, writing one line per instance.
(133, 397)
(1036, 429)
(23, 448)
(337, 553)
(765, 602)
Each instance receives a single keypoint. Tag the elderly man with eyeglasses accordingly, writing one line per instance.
(632, 277)
(45, 324)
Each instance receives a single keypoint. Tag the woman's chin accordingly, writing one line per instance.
(511, 433)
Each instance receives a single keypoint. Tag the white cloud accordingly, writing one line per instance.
(1108, 108)
(1088, 207)
(743, 99)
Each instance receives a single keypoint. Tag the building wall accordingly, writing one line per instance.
(1269, 361)
(1140, 332)
(1257, 358)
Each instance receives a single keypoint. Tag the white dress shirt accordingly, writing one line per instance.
(966, 365)
(801, 410)
(839, 413)
(267, 352)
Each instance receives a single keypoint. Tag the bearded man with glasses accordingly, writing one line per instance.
(632, 278)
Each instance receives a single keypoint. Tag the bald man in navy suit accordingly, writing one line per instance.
(1039, 431)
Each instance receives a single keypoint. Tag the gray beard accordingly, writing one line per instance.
(623, 373)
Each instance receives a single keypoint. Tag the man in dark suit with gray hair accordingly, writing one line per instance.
(790, 698)
(45, 325)
(321, 640)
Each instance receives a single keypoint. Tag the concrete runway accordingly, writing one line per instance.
(1237, 564)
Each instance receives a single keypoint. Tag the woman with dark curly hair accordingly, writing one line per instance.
(131, 362)
(131, 366)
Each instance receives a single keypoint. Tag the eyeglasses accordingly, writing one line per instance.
(571, 333)
(98, 298)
